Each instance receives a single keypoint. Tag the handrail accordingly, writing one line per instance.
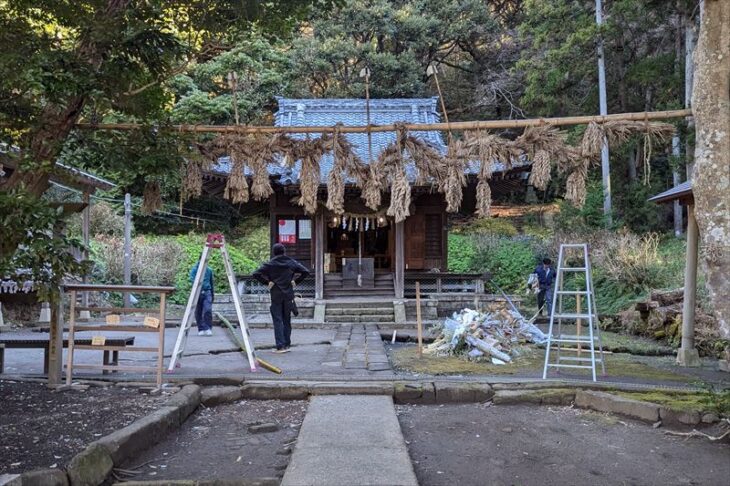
(117, 288)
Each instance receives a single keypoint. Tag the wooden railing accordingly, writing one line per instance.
(154, 321)
(444, 282)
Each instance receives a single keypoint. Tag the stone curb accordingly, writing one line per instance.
(540, 396)
(605, 402)
(205, 482)
(93, 465)
(39, 477)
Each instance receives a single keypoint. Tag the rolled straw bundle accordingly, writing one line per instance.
(540, 173)
(152, 197)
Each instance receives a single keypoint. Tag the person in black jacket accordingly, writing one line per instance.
(279, 275)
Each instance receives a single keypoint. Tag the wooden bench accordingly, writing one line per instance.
(41, 342)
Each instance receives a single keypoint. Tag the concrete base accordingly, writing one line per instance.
(45, 316)
(84, 315)
(399, 311)
(688, 357)
(319, 311)
(723, 365)
(2, 320)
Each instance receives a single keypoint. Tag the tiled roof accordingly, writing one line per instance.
(679, 191)
(352, 112)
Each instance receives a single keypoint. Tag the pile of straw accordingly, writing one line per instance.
(152, 198)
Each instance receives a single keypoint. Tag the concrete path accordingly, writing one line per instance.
(350, 440)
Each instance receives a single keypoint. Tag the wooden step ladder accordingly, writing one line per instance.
(581, 350)
(213, 241)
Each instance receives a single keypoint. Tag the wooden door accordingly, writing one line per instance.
(415, 242)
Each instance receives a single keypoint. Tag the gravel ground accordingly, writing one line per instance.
(41, 428)
(478, 444)
(215, 443)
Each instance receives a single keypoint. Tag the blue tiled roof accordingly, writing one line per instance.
(352, 112)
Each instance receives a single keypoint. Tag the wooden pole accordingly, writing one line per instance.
(419, 322)
(578, 322)
(603, 107)
(86, 215)
(161, 339)
(688, 355)
(400, 260)
(55, 343)
(127, 246)
(319, 255)
(421, 127)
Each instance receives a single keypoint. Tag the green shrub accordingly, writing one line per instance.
(509, 260)
(192, 246)
(461, 253)
(491, 226)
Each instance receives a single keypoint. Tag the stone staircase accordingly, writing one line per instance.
(360, 311)
(381, 286)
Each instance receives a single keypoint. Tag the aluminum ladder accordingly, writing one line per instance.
(213, 241)
(582, 346)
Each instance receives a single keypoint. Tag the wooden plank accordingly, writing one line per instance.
(115, 367)
(55, 344)
(161, 338)
(116, 328)
(107, 347)
(399, 261)
(419, 322)
(117, 288)
(71, 333)
(121, 310)
(319, 236)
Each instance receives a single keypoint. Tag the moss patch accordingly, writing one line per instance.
(621, 343)
(685, 402)
(405, 358)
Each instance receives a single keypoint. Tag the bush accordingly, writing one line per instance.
(154, 260)
(493, 226)
(509, 260)
(192, 246)
(461, 253)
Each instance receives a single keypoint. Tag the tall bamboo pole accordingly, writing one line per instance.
(421, 127)
(605, 166)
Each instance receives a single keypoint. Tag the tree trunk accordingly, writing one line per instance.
(711, 181)
(56, 122)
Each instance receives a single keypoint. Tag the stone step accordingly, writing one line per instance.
(361, 311)
(357, 303)
(359, 319)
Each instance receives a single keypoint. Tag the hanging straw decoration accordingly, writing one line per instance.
(345, 163)
(540, 173)
(236, 189)
(455, 179)
(484, 198)
(263, 154)
(575, 186)
(310, 153)
(152, 197)
(400, 194)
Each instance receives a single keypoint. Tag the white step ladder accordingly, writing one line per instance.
(582, 350)
(213, 241)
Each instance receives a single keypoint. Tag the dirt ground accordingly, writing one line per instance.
(479, 444)
(41, 428)
(215, 443)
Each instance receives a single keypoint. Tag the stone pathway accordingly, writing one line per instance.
(350, 440)
(357, 347)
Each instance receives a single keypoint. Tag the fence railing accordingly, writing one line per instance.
(247, 285)
(440, 283)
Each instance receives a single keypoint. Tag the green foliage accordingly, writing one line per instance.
(461, 253)
(509, 260)
(487, 226)
(43, 253)
(192, 246)
(716, 399)
(589, 217)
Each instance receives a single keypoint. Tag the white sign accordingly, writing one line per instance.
(287, 231)
(305, 229)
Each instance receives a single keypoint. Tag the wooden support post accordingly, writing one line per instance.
(71, 338)
(55, 344)
(400, 260)
(319, 237)
(86, 220)
(161, 339)
(127, 246)
(688, 355)
(578, 322)
(419, 322)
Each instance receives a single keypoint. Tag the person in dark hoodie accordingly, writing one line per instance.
(279, 275)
